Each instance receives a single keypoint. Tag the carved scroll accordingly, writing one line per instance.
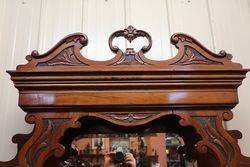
(130, 33)
(64, 53)
(215, 139)
(45, 140)
(67, 53)
(192, 52)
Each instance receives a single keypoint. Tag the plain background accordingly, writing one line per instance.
(26, 25)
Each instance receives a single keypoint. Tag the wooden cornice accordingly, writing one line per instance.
(128, 76)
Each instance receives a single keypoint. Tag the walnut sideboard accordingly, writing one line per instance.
(196, 90)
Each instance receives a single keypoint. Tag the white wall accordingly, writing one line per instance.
(26, 25)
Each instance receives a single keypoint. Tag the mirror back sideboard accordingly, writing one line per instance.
(197, 88)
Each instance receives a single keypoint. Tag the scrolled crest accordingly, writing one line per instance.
(66, 53)
(181, 40)
(77, 38)
(130, 33)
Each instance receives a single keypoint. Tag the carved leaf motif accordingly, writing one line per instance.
(39, 143)
(192, 56)
(130, 117)
(217, 139)
(42, 142)
(65, 57)
(214, 137)
(129, 58)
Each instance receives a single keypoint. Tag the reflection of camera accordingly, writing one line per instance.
(119, 157)
(119, 148)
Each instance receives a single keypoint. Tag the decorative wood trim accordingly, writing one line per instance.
(197, 86)
(67, 53)
(130, 33)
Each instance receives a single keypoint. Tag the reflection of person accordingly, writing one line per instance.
(129, 160)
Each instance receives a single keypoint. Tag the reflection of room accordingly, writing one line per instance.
(150, 150)
(147, 149)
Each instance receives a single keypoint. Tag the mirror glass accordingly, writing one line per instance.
(148, 150)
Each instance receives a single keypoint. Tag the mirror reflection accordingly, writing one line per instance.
(110, 150)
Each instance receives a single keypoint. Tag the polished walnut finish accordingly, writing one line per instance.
(60, 87)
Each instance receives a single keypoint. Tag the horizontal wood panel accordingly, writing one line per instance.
(128, 98)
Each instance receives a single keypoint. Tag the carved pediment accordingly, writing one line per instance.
(67, 53)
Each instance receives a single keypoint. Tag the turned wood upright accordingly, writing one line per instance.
(61, 86)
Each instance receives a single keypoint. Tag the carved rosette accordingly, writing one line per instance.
(130, 33)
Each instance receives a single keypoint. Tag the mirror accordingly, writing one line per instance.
(149, 150)
(159, 143)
